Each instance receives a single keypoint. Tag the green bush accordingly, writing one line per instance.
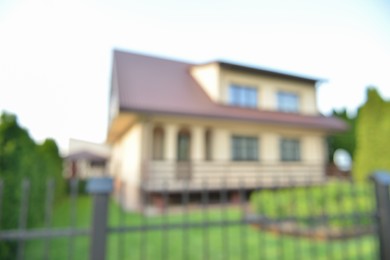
(329, 201)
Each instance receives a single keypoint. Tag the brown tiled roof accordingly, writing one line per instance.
(155, 85)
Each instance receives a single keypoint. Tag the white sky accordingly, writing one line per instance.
(55, 56)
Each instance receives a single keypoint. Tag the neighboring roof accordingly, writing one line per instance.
(86, 155)
(155, 85)
(76, 145)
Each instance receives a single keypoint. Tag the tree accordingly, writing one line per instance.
(21, 158)
(345, 140)
(372, 133)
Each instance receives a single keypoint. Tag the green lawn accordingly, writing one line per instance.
(232, 242)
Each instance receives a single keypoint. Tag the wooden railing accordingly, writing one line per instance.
(227, 174)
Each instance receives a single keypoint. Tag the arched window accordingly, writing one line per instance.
(183, 145)
(158, 143)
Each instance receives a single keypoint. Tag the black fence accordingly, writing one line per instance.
(331, 220)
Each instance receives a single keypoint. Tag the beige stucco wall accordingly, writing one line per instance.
(268, 87)
(312, 150)
(131, 154)
(220, 143)
(126, 164)
(208, 77)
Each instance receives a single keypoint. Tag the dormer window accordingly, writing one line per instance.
(288, 102)
(243, 96)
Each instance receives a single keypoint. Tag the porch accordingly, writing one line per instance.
(193, 176)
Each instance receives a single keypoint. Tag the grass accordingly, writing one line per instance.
(230, 242)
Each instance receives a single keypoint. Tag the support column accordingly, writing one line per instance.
(146, 148)
(221, 145)
(147, 140)
(170, 149)
(269, 144)
(197, 143)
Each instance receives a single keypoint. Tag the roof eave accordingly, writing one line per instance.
(336, 127)
(273, 73)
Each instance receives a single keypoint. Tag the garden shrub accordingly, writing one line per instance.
(315, 205)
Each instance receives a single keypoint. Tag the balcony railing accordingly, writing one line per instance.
(178, 175)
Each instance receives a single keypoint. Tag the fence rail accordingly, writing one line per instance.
(327, 220)
(32, 234)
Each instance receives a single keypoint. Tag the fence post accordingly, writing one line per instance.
(382, 182)
(100, 188)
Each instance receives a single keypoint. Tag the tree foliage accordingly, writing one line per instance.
(21, 159)
(345, 140)
(373, 136)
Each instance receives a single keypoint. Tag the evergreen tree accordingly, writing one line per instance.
(344, 140)
(373, 136)
(21, 158)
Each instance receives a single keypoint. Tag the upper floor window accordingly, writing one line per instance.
(290, 149)
(244, 148)
(243, 96)
(288, 102)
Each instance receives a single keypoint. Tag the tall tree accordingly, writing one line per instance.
(21, 158)
(344, 140)
(373, 136)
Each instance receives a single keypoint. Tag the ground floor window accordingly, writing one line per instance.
(244, 148)
(290, 149)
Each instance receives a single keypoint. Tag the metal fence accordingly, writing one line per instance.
(333, 220)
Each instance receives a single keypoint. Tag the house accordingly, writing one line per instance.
(85, 160)
(177, 126)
